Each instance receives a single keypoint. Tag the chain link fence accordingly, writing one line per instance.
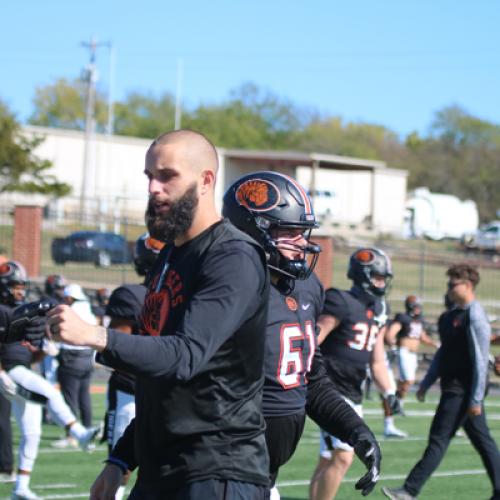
(419, 266)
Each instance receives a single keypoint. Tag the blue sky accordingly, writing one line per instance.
(388, 62)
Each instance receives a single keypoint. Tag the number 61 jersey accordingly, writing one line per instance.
(347, 348)
(290, 346)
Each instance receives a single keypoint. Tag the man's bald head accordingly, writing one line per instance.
(196, 150)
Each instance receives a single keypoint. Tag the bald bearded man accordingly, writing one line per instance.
(199, 429)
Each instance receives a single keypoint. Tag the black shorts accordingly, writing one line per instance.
(282, 437)
(209, 489)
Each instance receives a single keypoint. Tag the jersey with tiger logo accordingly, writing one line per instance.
(348, 347)
(290, 346)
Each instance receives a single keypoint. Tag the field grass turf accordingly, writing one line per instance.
(66, 474)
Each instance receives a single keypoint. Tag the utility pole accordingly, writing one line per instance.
(90, 78)
(111, 88)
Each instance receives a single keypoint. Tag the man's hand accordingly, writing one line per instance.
(421, 394)
(474, 410)
(107, 483)
(66, 326)
(368, 451)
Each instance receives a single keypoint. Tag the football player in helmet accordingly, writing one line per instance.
(54, 292)
(351, 339)
(124, 309)
(146, 250)
(406, 331)
(54, 288)
(27, 390)
(276, 211)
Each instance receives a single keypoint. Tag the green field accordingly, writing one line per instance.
(66, 474)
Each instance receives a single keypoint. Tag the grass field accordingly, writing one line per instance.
(66, 474)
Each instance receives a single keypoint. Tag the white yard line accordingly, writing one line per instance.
(466, 472)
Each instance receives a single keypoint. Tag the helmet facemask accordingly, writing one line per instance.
(366, 267)
(276, 245)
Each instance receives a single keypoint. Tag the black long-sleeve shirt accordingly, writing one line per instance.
(199, 364)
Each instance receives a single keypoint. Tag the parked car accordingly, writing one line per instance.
(486, 238)
(103, 249)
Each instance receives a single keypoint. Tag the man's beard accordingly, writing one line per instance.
(169, 226)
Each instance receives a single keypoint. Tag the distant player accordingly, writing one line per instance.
(26, 389)
(275, 210)
(407, 331)
(124, 310)
(349, 324)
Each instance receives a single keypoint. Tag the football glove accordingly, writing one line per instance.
(368, 451)
(393, 403)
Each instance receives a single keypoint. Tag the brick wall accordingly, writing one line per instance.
(27, 237)
(324, 267)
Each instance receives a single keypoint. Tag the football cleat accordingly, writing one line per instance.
(24, 494)
(397, 494)
(393, 432)
(86, 442)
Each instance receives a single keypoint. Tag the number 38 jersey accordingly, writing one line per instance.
(347, 348)
(290, 346)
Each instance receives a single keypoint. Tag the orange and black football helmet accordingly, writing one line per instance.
(146, 250)
(261, 202)
(364, 264)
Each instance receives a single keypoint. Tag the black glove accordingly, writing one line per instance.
(35, 330)
(368, 451)
(393, 404)
(28, 322)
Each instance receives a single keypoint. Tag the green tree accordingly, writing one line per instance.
(250, 118)
(460, 156)
(62, 105)
(361, 140)
(20, 169)
(144, 115)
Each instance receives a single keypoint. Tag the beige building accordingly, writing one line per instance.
(349, 193)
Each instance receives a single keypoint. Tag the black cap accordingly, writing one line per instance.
(126, 302)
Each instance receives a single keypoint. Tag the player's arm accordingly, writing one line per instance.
(329, 410)
(325, 324)
(479, 332)
(426, 339)
(123, 455)
(379, 368)
(228, 284)
(119, 464)
(333, 312)
(391, 332)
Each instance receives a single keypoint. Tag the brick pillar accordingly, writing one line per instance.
(26, 245)
(324, 267)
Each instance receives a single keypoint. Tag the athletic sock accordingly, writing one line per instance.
(23, 482)
(77, 430)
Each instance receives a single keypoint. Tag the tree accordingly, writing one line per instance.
(20, 169)
(62, 105)
(144, 115)
(250, 118)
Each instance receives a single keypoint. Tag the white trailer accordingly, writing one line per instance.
(437, 216)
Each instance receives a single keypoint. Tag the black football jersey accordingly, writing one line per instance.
(347, 348)
(290, 346)
(411, 326)
(15, 353)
